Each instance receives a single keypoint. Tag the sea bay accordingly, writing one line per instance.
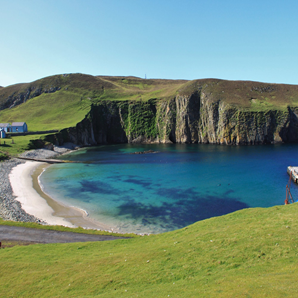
(174, 187)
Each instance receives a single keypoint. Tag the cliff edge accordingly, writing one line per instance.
(135, 110)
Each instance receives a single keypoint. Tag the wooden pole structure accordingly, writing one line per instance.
(288, 191)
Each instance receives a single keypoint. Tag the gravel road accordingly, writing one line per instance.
(10, 233)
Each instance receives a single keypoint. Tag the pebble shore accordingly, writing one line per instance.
(11, 209)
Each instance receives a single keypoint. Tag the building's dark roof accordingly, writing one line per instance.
(4, 124)
(17, 123)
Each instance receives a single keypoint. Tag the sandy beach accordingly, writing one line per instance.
(26, 188)
(22, 185)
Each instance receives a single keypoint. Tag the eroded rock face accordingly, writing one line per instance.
(31, 92)
(196, 118)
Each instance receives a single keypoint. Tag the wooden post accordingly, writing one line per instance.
(288, 191)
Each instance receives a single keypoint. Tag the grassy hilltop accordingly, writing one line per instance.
(249, 253)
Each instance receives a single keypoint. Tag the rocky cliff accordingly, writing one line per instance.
(135, 110)
(194, 118)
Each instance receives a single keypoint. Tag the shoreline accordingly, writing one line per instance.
(23, 200)
(75, 215)
(22, 197)
(11, 209)
(22, 184)
(24, 180)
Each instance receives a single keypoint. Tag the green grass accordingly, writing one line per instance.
(253, 96)
(249, 253)
(49, 111)
(17, 144)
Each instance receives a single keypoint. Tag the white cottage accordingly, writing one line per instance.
(19, 127)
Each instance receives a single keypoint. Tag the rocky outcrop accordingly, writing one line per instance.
(19, 98)
(194, 118)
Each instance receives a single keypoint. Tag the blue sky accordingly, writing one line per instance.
(187, 39)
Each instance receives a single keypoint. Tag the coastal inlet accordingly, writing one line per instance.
(176, 186)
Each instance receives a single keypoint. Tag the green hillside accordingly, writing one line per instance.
(62, 101)
(49, 111)
(249, 253)
(75, 93)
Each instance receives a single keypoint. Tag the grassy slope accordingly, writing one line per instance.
(247, 95)
(249, 253)
(49, 111)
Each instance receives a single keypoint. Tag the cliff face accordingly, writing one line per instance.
(194, 118)
(129, 109)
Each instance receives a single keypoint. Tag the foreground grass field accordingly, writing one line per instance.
(249, 253)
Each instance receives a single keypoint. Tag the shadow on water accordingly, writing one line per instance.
(183, 206)
(141, 182)
(187, 207)
(97, 187)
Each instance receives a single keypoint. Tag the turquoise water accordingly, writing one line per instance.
(177, 186)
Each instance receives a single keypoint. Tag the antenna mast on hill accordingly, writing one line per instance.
(145, 76)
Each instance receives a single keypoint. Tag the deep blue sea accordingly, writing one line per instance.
(177, 186)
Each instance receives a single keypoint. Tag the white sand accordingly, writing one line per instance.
(22, 186)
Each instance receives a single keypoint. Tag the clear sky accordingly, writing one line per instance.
(175, 39)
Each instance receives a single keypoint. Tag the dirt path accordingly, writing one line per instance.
(10, 233)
